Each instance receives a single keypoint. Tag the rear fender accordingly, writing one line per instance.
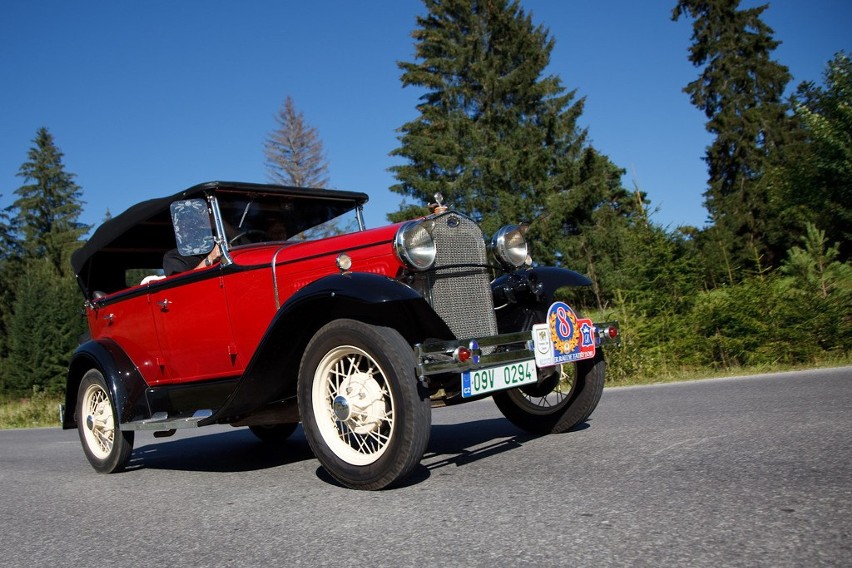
(126, 385)
(377, 300)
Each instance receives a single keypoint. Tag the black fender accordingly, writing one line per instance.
(534, 285)
(126, 385)
(522, 296)
(377, 300)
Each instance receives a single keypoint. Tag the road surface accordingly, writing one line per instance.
(750, 471)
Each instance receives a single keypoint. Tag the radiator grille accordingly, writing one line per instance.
(459, 285)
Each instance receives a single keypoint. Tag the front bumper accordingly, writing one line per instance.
(434, 357)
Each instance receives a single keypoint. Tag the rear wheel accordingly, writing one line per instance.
(363, 411)
(274, 433)
(106, 447)
(559, 402)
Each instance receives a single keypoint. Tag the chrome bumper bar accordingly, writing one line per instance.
(434, 357)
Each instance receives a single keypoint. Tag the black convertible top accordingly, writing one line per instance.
(139, 236)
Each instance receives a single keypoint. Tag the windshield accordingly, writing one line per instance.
(251, 218)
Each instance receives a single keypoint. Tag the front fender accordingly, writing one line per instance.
(534, 285)
(377, 300)
(522, 297)
(127, 387)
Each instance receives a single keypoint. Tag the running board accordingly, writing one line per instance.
(160, 421)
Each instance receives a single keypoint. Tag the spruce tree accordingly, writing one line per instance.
(9, 245)
(496, 136)
(48, 204)
(294, 151)
(740, 90)
(44, 329)
(820, 179)
(9, 260)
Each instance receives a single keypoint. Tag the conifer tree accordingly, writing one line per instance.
(740, 90)
(8, 242)
(821, 178)
(496, 136)
(48, 204)
(294, 151)
(9, 259)
(44, 328)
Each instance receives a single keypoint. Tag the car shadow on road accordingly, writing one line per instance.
(239, 450)
(223, 452)
(462, 444)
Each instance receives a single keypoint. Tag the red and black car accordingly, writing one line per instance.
(280, 308)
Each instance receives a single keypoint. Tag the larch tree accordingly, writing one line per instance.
(294, 151)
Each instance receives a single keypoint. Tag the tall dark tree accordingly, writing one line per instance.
(740, 90)
(294, 151)
(9, 261)
(43, 329)
(8, 242)
(48, 204)
(496, 136)
(820, 178)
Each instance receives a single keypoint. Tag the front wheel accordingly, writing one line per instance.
(106, 447)
(363, 411)
(559, 402)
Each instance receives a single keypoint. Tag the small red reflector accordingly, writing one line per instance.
(462, 354)
(612, 332)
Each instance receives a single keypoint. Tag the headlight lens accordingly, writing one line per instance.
(414, 246)
(509, 246)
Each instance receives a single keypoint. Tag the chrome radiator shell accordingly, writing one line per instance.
(459, 285)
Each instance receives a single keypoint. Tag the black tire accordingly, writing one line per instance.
(274, 433)
(364, 414)
(106, 446)
(560, 402)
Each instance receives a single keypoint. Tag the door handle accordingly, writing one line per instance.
(164, 304)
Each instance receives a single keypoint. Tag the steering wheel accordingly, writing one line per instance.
(248, 233)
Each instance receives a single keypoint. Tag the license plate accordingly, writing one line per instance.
(499, 377)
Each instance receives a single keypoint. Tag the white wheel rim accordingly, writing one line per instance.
(98, 421)
(551, 401)
(353, 405)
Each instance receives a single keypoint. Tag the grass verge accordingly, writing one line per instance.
(676, 376)
(38, 411)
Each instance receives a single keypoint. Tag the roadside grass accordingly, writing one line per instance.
(682, 375)
(37, 411)
(42, 409)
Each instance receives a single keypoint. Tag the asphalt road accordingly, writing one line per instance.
(731, 472)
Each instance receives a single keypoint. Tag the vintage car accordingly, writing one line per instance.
(290, 311)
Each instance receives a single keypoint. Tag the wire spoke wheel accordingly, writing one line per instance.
(557, 403)
(552, 394)
(365, 415)
(353, 405)
(99, 421)
(106, 446)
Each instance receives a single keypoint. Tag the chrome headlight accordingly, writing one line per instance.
(415, 246)
(509, 246)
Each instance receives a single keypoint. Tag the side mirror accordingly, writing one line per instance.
(193, 232)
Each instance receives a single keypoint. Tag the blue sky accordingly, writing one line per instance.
(148, 98)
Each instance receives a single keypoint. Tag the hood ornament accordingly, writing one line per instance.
(438, 207)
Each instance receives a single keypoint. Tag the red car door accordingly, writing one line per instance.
(194, 329)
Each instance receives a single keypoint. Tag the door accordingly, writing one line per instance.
(194, 329)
